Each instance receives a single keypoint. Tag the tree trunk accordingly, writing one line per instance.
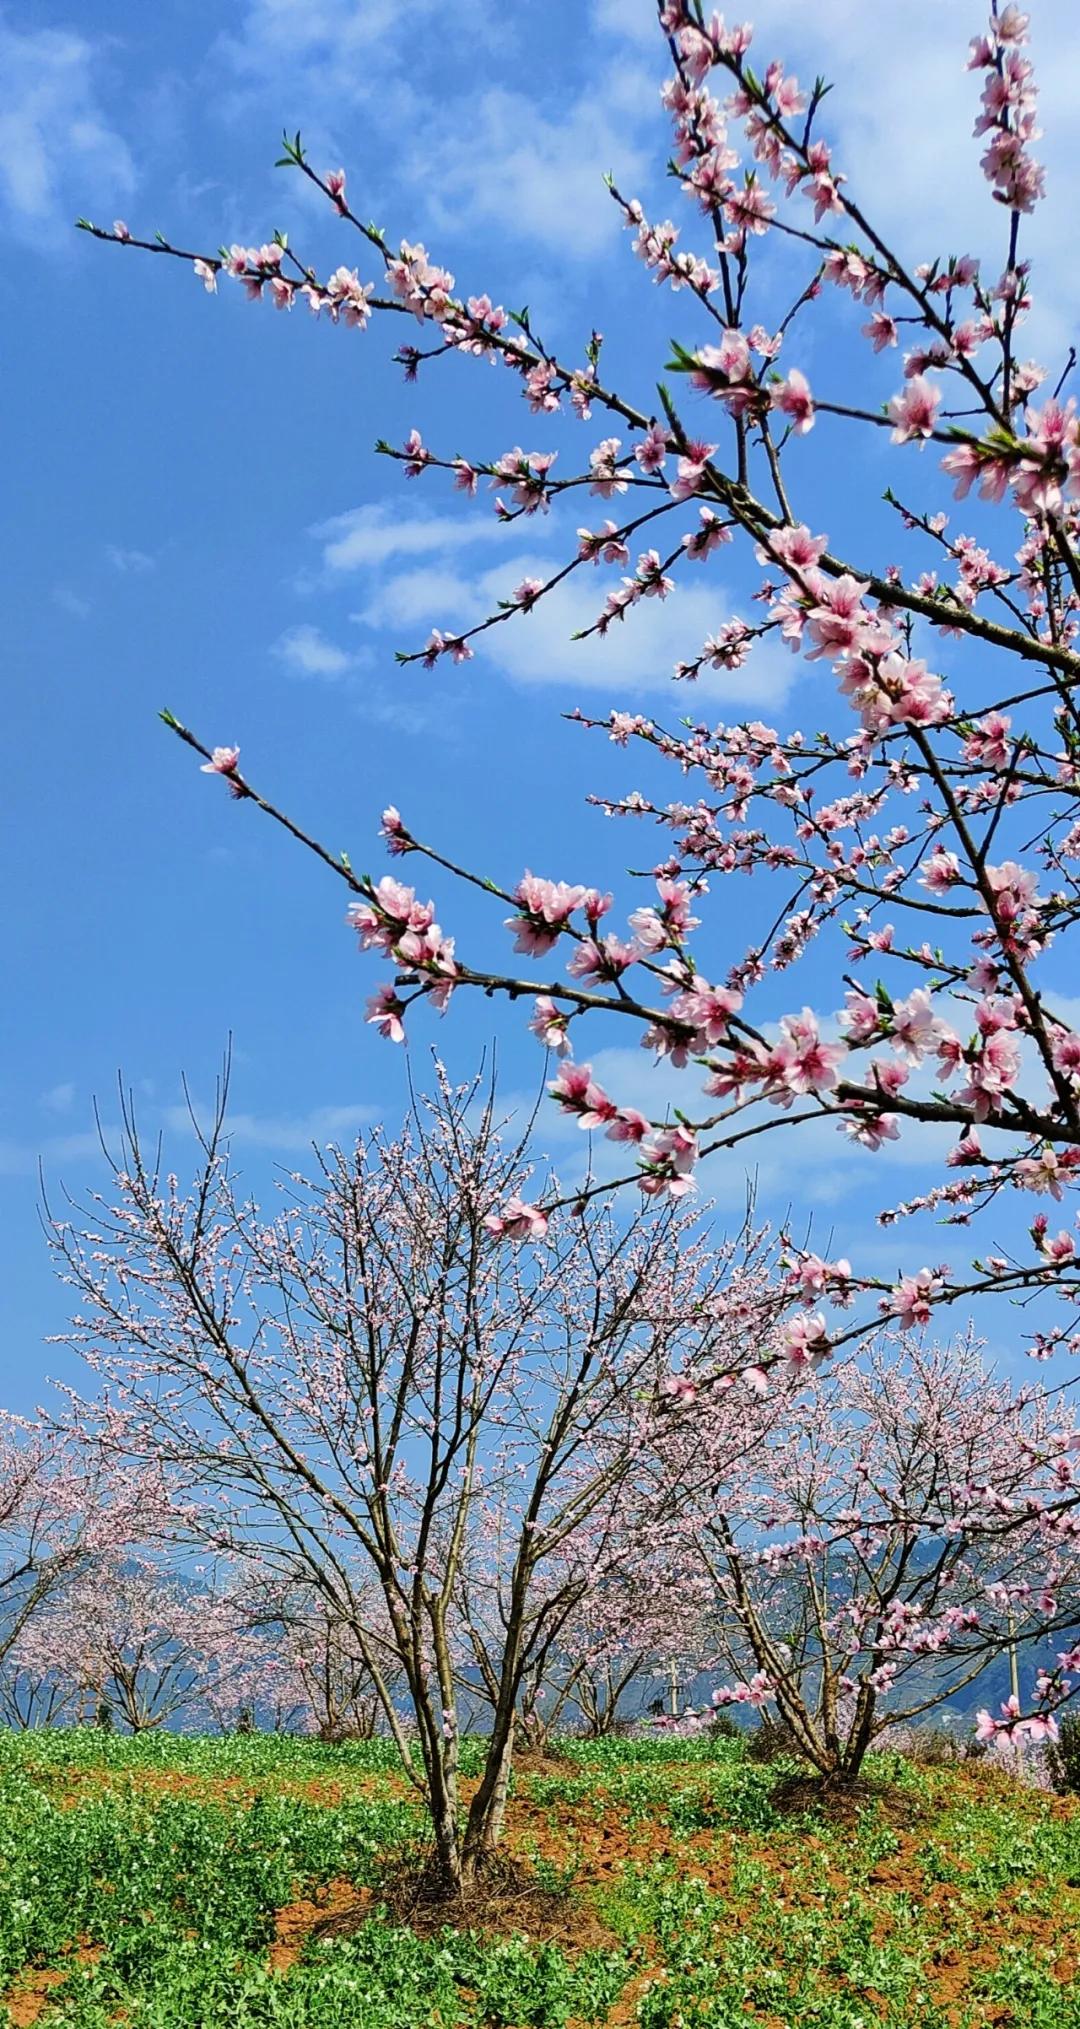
(447, 1854)
(862, 1731)
(483, 1830)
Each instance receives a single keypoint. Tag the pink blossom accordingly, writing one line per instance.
(915, 1028)
(707, 1010)
(576, 1092)
(801, 1063)
(546, 908)
(602, 958)
(392, 829)
(550, 1025)
(913, 410)
(607, 477)
(881, 330)
(680, 1387)
(385, 1012)
(627, 1125)
(718, 367)
(940, 872)
(871, 1130)
(668, 1157)
(1046, 1173)
(861, 1019)
(912, 1297)
(651, 452)
(416, 453)
(710, 533)
(793, 398)
(968, 1150)
(605, 543)
(806, 1340)
(691, 470)
(223, 761)
(517, 1221)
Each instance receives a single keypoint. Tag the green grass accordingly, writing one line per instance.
(147, 1875)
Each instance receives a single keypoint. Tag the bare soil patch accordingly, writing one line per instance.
(29, 1995)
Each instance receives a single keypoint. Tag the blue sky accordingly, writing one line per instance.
(199, 522)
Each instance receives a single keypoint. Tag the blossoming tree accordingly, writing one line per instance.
(928, 839)
(313, 1674)
(364, 1394)
(64, 1504)
(610, 1649)
(137, 1636)
(891, 1533)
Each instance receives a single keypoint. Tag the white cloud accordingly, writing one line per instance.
(59, 1098)
(306, 651)
(638, 654)
(283, 1133)
(431, 594)
(367, 537)
(534, 176)
(23, 1158)
(129, 562)
(633, 19)
(276, 31)
(70, 602)
(492, 155)
(337, 54)
(58, 153)
(333, 40)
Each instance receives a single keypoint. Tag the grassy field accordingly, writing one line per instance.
(176, 1884)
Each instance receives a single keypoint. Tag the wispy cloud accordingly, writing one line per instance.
(275, 1133)
(430, 594)
(129, 562)
(327, 39)
(633, 20)
(503, 157)
(338, 55)
(58, 152)
(70, 602)
(24, 1158)
(284, 1133)
(59, 1098)
(306, 651)
(637, 655)
(537, 176)
(369, 537)
(309, 654)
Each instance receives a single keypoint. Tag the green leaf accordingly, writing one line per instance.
(683, 361)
